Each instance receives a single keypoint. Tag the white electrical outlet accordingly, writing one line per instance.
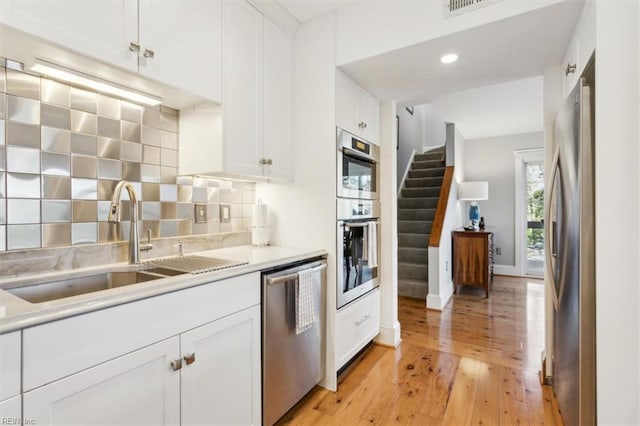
(499, 251)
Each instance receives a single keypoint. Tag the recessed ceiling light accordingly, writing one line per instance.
(449, 58)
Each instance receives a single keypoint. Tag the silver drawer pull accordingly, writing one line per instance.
(366, 317)
(190, 358)
(176, 364)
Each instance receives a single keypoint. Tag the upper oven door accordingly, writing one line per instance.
(357, 167)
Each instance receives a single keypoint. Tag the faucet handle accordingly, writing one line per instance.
(148, 246)
(180, 246)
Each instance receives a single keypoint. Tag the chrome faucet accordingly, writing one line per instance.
(114, 217)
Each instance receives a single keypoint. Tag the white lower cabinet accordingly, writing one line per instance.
(11, 410)
(187, 357)
(356, 325)
(222, 384)
(137, 388)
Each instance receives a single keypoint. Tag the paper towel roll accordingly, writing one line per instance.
(260, 235)
(260, 215)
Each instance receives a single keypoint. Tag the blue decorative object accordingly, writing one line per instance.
(474, 212)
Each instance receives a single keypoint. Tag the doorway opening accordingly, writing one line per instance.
(530, 212)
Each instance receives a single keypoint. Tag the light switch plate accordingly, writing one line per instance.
(201, 213)
(225, 213)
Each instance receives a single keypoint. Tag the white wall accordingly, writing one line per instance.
(374, 27)
(492, 160)
(617, 204)
(303, 214)
(418, 132)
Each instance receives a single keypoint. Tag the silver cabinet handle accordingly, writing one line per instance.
(366, 317)
(189, 358)
(362, 125)
(176, 364)
(134, 46)
(266, 161)
(149, 53)
(570, 69)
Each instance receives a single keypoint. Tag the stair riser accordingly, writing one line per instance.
(418, 203)
(423, 173)
(414, 290)
(414, 227)
(420, 192)
(429, 156)
(413, 272)
(431, 164)
(413, 256)
(416, 214)
(423, 183)
(416, 241)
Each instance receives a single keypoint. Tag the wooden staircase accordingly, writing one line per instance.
(417, 205)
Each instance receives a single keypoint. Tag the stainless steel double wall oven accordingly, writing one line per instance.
(358, 212)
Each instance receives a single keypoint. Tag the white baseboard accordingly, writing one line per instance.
(389, 336)
(438, 302)
(505, 270)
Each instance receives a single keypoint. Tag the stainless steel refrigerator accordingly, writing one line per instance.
(570, 250)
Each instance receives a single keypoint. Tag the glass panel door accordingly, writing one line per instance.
(535, 218)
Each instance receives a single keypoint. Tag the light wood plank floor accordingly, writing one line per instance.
(475, 363)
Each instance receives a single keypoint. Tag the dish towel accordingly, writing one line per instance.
(372, 245)
(305, 306)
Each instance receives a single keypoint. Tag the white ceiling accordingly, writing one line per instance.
(306, 10)
(515, 48)
(501, 109)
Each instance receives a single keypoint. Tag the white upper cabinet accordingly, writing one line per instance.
(250, 136)
(356, 110)
(173, 42)
(580, 48)
(181, 45)
(278, 99)
(100, 29)
(242, 88)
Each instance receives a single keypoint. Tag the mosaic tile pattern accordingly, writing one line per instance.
(64, 149)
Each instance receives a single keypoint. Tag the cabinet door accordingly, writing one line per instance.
(347, 103)
(242, 88)
(186, 40)
(278, 85)
(369, 114)
(11, 409)
(137, 388)
(100, 29)
(10, 364)
(223, 384)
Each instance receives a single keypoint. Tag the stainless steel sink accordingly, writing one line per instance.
(45, 292)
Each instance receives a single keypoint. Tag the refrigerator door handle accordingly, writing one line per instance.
(550, 251)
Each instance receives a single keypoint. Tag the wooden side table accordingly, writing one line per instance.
(473, 259)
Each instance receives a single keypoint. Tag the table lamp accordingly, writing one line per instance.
(473, 191)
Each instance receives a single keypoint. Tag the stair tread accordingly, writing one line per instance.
(415, 265)
(414, 248)
(413, 233)
(411, 281)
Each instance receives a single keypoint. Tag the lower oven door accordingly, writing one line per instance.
(358, 263)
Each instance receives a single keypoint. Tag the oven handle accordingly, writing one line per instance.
(352, 153)
(289, 277)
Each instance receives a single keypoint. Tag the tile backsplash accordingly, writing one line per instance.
(64, 149)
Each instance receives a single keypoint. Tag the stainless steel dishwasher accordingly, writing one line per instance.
(292, 364)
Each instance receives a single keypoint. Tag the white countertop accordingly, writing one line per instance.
(20, 314)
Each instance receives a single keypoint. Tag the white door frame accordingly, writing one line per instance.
(522, 157)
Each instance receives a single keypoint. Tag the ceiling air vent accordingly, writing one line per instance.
(458, 7)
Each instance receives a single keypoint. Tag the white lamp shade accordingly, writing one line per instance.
(473, 191)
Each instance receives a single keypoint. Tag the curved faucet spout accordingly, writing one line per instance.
(114, 217)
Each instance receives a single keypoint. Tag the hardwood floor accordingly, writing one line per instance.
(475, 363)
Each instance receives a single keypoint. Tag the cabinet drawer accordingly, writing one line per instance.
(356, 325)
(9, 365)
(60, 348)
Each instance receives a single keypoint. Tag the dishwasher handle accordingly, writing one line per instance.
(289, 277)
